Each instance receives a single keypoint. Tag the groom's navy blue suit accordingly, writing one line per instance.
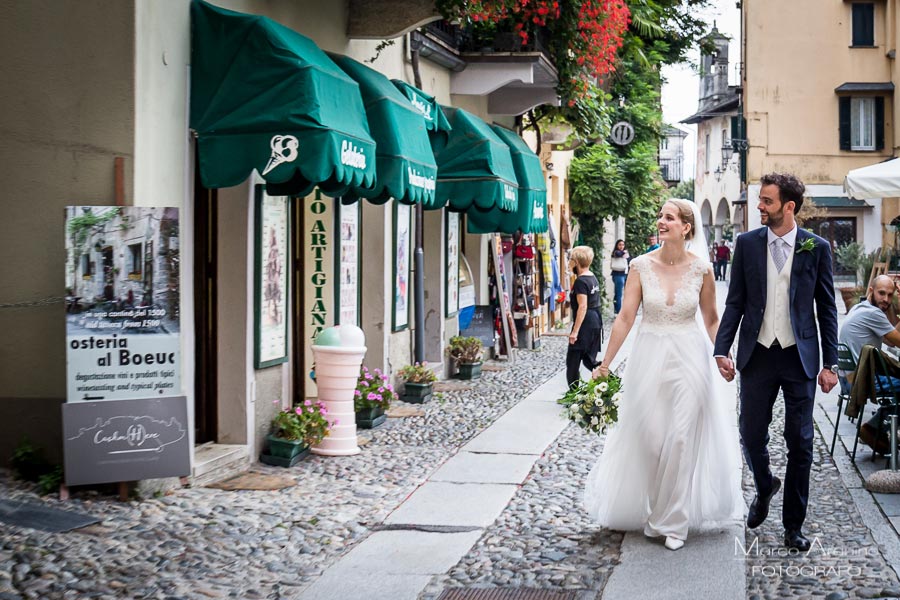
(793, 369)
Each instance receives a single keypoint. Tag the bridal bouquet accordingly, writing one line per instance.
(594, 404)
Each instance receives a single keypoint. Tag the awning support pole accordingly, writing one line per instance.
(419, 253)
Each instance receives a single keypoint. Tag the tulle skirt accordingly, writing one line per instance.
(672, 462)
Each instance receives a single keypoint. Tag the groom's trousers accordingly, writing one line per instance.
(767, 371)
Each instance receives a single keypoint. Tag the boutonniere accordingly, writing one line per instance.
(806, 246)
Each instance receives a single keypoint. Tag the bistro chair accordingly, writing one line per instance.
(888, 399)
(846, 365)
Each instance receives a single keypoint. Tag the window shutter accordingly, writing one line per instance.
(863, 24)
(879, 123)
(844, 121)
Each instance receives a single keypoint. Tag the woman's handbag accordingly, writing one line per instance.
(524, 252)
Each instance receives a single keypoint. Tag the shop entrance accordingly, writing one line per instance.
(205, 311)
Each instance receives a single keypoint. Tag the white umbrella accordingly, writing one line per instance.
(880, 180)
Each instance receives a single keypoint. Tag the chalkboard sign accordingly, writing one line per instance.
(482, 325)
(125, 440)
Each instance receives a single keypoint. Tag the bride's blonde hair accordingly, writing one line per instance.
(685, 213)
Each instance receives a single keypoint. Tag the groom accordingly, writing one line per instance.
(779, 274)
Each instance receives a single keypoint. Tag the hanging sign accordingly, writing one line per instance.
(622, 133)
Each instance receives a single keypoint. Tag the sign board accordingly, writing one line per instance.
(318, 281)
(125, 440)
(122, 303)
(482, 325)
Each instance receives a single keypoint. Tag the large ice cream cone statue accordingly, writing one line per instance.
(337, 373)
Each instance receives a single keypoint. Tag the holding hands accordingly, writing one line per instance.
(726, 367)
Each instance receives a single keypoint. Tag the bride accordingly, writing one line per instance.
(672, 462)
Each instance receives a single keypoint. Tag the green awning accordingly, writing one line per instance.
(435, 119)
(839, 202)
(531, 213)
(265, 97)
(475, 168)
(405, 163)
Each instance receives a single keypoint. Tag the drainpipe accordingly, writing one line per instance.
(419, 252)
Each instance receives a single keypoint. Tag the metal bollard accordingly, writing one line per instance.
(893, 442)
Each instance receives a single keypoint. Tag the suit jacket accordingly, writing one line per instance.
(811, 285)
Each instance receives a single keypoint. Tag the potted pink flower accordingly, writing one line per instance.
(294, 430)
(372, 397)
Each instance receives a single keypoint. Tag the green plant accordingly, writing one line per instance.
(305, 423)
(594, 404)
(852, 255)
(28, 461)
(49, 482)
(468, 350)
(372, 390)
(417, 373)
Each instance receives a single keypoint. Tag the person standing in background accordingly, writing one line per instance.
(587, 325)
(723, 255)
(619, 266)
(653, 240)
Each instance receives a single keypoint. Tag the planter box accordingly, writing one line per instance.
(469, 370)
(283, 448)
(852, 296)
(417, 393)
(283, 453)
(277, 461)
(369, 418)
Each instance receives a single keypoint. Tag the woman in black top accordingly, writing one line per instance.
(587, 327)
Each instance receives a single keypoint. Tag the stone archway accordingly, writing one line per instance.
(723, 219)
(706, 215)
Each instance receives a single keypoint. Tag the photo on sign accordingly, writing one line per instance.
(122, 301)
(348, 280)
(402, 248)
(452, 266)
(271, 266)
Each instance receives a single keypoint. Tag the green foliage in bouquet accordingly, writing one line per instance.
(593, 405)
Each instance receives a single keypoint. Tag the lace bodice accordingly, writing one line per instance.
(670, 299)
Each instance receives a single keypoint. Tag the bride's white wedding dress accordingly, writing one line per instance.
(672, 461)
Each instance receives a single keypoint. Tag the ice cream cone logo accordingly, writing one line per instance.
(284, 149)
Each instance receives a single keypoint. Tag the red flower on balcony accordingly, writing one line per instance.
(585, 35)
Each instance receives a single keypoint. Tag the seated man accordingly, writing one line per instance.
(873, 322)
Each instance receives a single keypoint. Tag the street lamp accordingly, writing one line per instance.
(727, 152)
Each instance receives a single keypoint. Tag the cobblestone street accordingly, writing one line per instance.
(209, 543)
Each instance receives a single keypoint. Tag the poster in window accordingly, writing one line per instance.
(122, 303)
(402, 248)
(348, 283)
(452, 239)
(271, 266)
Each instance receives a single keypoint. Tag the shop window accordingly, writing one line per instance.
(135, 261)
(863, 24)
(861, 123)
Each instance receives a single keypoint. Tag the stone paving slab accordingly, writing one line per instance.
(541, 420)
(457, 504)
(407, 552)
(470, 467)
(365, 586)
(552, 389)
(706, 567)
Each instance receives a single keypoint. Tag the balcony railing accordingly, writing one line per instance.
(671, 169)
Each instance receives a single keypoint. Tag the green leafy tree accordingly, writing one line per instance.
(685, 190)
(609, 181)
